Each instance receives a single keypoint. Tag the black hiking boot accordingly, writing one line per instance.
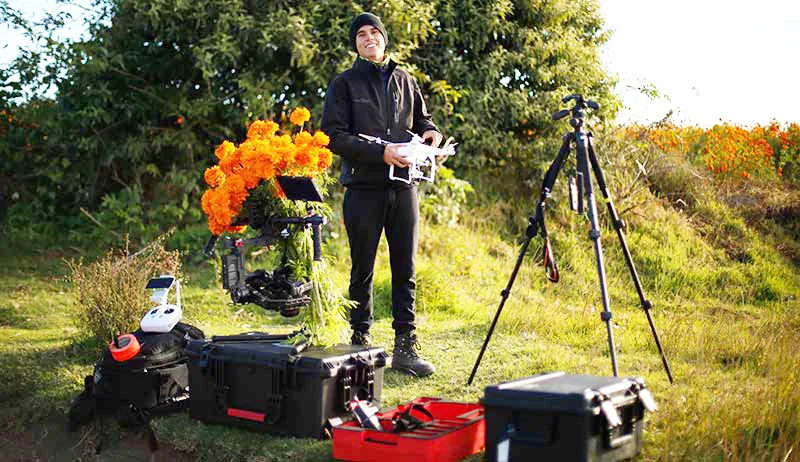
(406, 359)
(361, 338)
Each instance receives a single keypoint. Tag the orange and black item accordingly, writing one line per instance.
(124, 347)
(134, 383)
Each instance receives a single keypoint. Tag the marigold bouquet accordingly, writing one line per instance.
(244, 180)
(255, 163)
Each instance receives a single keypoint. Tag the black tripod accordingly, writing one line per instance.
(580, 187)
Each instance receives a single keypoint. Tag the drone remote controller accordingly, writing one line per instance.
(165, 316)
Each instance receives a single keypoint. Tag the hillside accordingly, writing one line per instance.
(718, 260)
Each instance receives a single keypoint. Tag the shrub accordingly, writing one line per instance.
(111, 291)
(442, 202)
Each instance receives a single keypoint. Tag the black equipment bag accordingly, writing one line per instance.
(269, 386)
(154, 381)
(572, 418)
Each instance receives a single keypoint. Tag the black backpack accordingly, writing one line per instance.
(155, 381)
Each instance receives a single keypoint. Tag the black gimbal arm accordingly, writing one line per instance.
(268, 233)
(316, 222)
(209, 249)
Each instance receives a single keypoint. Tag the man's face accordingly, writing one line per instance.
(370, 43)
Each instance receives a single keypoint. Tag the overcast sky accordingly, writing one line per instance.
(734, 60)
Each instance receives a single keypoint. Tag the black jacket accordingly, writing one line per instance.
(357, 102)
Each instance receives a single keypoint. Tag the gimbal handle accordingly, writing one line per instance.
(209, 250)
(316, 222)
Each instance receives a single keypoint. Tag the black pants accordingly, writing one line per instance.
(366, 214)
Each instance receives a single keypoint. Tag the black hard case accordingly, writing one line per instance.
(559, 417)
(262, 386)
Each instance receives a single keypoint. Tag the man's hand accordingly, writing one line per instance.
(433, 136)
(391, 157)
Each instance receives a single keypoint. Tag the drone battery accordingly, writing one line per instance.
(565, 417)
(266, 385)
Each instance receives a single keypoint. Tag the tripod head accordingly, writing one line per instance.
(577, 111)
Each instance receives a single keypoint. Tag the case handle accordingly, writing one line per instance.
(377, 441)
(512, 435)
(531, 439)
(477, 413)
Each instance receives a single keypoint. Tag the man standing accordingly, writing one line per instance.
(377, 98)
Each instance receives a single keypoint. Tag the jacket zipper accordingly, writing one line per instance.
(388, 108)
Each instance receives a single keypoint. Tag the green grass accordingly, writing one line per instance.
(729, 324)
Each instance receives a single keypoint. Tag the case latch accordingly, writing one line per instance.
(608, 410)
(361, 375)
(644, 395)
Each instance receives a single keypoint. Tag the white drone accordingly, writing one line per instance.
(421, 157)
(165, 316)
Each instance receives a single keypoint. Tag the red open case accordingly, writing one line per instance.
(457, 430)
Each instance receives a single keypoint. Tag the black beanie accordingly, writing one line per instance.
(365, 19)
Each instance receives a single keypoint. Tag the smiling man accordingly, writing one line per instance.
(377, 98)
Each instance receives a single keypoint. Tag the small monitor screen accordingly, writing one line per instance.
(160, 283)
(299, 188)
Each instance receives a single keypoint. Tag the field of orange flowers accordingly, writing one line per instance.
(729, 150)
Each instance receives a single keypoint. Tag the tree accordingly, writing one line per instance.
(509, 63)
(142, 102)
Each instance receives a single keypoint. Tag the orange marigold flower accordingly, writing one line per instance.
(205, 202)
(231, 163)
(283, 155)
(215, 227)
(257, 160)
(300, 115)
(303, 139)
(262, 129)
(216, 204)
(306, 156)
(325, 159)
(225, 149)
(214, 176)
(321, 139)
(236, 188)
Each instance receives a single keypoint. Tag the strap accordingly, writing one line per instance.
(550, 265)
(151, 434)
(404, 421)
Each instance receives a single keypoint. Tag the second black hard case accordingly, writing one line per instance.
(570, 418)
(266, 386)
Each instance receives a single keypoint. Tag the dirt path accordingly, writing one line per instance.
(50, 441)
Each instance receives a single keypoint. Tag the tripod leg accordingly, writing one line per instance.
(536, 222)
(505, 293)
(619, 226)
(581, 141)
